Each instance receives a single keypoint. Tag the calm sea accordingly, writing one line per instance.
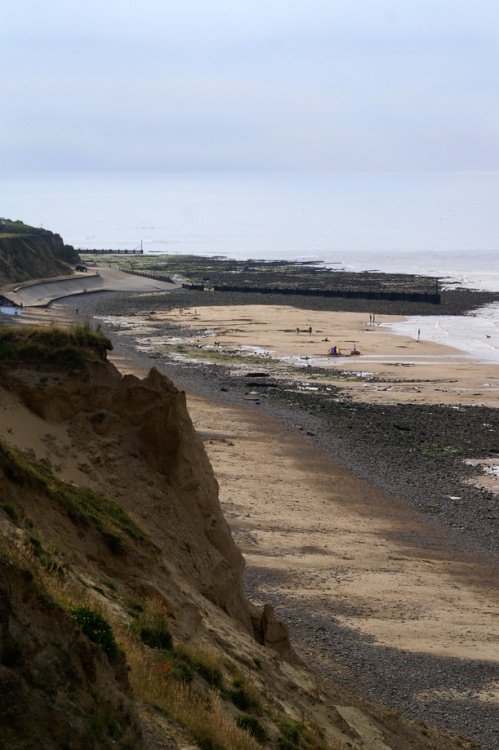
(442, 224)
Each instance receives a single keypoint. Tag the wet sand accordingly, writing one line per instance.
(404, 369)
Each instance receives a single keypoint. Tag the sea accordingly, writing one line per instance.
(439, 224)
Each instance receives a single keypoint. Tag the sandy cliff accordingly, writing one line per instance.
(109, 505)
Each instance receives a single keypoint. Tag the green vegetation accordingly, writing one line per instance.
(10, 510)
(32, 253)
(97, 629)
(82, 503)
(179, 668)
(212, 355)
(151, 624)
(163, 683)
(165, 676)
(252, 725)
(156, 637)
(105, 728)
(296, 735)
(7, 226)
(69, 348)
(46, 559)
(435, 449)
(206, 665)
(132, 605)
(291, 734)
(244, 697)
(183, 662)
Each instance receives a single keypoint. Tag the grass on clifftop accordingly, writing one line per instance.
(70, 348)
(7, 226)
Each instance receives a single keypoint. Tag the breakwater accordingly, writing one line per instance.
(374, 294)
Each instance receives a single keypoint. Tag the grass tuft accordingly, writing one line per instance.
(151, 625)
(253, 726)
(244, 697)
(204, 663)
(202, 716)
(297, 735)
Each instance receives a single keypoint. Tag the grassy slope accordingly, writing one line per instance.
(29, 253)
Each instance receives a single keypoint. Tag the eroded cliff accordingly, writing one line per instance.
(109, 514)
(30, 253)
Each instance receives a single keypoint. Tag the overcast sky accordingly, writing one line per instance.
(249, 85)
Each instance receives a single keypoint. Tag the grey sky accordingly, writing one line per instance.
(352, 85)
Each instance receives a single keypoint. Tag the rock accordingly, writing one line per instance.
(272, 633)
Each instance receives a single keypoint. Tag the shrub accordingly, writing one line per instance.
(159, 637)
(204, 663)
(97, 629)
(181, 670)
(151, 625)
(291, 734)
(296, 735)
(243, 697)
(252, 725)
(10, 511)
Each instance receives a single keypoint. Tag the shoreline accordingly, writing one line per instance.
(373, 442)
(292, 573)
(329, 633)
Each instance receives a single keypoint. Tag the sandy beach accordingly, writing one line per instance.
(376, 592)
(404, 369)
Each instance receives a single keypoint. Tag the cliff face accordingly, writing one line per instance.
(30, 253)
(103, 480)
(109, 507)
(137, 446)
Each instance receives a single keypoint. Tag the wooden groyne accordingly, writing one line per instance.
(148, 274)
(97, 251)
(374, 294)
